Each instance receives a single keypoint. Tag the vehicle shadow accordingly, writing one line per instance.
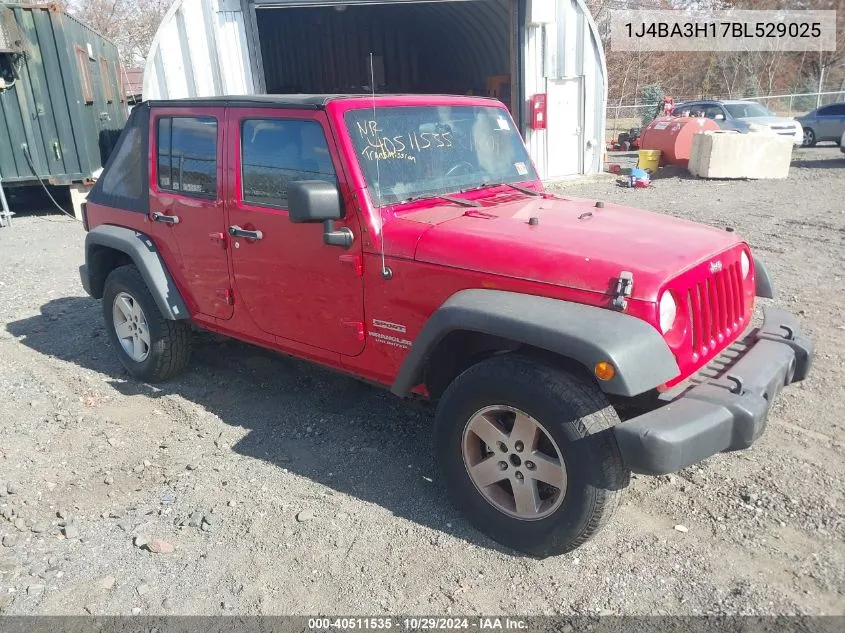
(339, 432)
(820, 163)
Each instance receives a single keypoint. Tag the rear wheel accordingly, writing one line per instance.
(526, 454)
(809, 137)
(150, 347)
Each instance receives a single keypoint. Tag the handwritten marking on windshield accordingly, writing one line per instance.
(383, 147)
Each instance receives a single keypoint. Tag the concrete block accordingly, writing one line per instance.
(733, 155)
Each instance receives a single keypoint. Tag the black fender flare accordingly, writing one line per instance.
(764, 287)
(586, 334)
(144, 254)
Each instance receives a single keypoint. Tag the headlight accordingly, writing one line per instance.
(756, 127)
(745, 264)
(668, 312)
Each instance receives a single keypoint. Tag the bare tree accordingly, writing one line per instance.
(131, 24)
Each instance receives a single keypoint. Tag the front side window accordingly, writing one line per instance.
(276, 152)
(187, 155)
(747, 110)
(412, 152)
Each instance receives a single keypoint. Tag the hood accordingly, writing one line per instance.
(573, 244)
(770, 120)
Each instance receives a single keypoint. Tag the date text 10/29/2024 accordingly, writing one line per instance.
(417, 624)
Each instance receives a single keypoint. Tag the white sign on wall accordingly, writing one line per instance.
(542, 12)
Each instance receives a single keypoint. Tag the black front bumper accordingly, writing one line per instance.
(725, 412)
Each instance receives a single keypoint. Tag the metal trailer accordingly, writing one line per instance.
(528, 53)
(61, 98)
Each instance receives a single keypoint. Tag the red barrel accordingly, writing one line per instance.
(672, 135)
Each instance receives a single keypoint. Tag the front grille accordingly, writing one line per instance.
(717, 309)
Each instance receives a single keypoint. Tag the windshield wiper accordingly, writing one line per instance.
(461, 201)
(520, 188)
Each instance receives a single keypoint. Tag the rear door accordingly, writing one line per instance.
(292, 284)
(186, 204)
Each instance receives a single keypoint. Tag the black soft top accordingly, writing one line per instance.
(308, 102)
(293, 101)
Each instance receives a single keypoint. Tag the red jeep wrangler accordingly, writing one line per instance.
(408, 241)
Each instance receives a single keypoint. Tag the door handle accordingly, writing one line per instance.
(166, 219)
(236, 231)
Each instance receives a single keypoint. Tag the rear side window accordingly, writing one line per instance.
(276, 152)
(186, 155)
(123, 183)
(124, 177)
(712, 111)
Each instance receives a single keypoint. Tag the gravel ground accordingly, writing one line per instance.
(261, 485)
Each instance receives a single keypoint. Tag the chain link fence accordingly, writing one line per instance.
(622, 117)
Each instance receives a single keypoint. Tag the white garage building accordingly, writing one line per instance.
(520, 51)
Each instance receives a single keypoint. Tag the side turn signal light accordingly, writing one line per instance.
(604, 370)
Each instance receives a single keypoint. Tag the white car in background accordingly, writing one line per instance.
(743, 116)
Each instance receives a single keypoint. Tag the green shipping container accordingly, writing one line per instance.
(62, 104)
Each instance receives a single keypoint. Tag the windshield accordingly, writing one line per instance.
(746, 110)
(414, 152)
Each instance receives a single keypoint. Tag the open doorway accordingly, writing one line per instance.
(466, 47)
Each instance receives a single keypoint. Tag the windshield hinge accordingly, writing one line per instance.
(624, 288)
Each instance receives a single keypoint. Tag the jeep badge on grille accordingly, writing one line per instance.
(715, 267)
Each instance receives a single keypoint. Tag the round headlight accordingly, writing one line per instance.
(745, 264)
(668, 312)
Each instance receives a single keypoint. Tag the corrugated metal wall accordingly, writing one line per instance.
(450, 47)
(68, 138)
(568, 48)
(200, 50)
(208, 47)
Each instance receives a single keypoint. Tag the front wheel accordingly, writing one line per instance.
(809, 137)
(526, 453)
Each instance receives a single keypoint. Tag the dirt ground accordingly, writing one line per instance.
(286, 489)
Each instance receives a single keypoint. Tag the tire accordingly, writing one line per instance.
(574, 418)
(809, 137)
(165, 345)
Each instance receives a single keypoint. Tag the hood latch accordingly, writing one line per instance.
(624, 288)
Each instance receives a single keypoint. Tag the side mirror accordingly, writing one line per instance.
(719, 117)
(311, 201)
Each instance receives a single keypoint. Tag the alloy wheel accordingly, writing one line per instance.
(131, 327)
(809, 137)
(514, 462)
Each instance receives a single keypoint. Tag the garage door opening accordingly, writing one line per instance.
(465, 48)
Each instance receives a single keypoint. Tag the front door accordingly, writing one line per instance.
(832, 122)
(186, 205)
(291, 283)
(565, 123)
